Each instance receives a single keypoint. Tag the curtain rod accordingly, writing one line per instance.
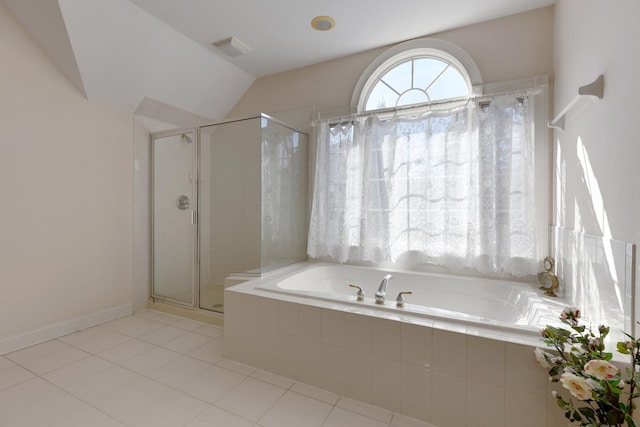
(422, 108)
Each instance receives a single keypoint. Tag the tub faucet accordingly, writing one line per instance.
(382, 290)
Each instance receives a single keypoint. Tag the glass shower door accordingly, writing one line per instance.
(174, 217)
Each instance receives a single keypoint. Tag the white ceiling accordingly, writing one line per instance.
(282, 38)
(156, 58)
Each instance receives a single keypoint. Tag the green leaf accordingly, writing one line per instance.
(615, 418)
(588, 412)
(622, 348)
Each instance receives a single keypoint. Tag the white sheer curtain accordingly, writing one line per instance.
(453, 188)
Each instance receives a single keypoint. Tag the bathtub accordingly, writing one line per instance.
(454, 302)
(457, 346)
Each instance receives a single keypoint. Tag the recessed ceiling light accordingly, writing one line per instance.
(323, 23)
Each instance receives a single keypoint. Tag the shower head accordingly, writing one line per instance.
(187, 138)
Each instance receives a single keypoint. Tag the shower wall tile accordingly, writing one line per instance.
(359, 332)
(288, 318)
(359, 374)
(334, 328)
(450, 401)
(449, 352)
(310, 322)
(288, 356)
(632, 306)
(486, 360)
(386, 339)
(333, 368)
(416, 345)
(266, 335)
(485, 404)
(416, 394)
(310, 362)
(525, 410)
(386, 383)
(522, 371)
(596, 275)
(442, 377)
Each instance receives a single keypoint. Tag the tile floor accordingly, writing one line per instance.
(153, 369)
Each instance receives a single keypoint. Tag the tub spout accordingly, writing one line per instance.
(382, 290)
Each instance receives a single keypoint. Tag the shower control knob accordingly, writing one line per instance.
(183, 202)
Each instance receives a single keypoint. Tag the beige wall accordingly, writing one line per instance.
(504, 49)
(66, 169)
(596, 170)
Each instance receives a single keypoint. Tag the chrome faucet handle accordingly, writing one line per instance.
(382, 290)
(400, 298)
(360, 294)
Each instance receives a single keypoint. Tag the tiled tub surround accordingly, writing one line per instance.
(596, 273)
(447, 373)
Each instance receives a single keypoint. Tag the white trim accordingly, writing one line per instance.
(402, 51)
(7, 345)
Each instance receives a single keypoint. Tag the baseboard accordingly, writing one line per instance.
(7, 345)
(190, 313)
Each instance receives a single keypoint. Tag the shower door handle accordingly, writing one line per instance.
(183, 202)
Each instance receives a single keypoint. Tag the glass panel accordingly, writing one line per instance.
(230, 211)
(173, 230)
(426, 70)
(381, 97)
(450, 84)
(399, 77)
(284, 195)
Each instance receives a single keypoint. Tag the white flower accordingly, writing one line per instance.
(570, 313)
(576, 385)
(544, 358)
(601, 369)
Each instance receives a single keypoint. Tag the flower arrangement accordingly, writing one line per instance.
(584, 368)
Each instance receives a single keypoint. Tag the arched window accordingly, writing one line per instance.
(452, 184)
(417, 72)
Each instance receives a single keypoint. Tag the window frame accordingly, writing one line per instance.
(537, 88)
(435, 48)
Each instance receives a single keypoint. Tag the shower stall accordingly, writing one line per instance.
(228, 201)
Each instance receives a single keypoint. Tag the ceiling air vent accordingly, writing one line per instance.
(232, 47)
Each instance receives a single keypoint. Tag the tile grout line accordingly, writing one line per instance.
(172, 388)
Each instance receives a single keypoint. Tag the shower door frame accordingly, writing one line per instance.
(195, 206)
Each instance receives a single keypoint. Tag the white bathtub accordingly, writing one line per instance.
(495, 306)
(305, 323)
(453, 334)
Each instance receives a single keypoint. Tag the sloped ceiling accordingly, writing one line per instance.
(119, 55)
(126, 52)
(281, 36)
